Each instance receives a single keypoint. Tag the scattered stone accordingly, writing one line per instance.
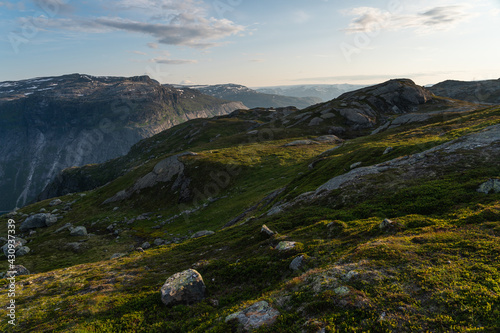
(297, 263)
(159, 242)
(388, 150)
(115, 209)
(301, 143)
(490, 186)
(315, 121)
(22, 251)
(355, 165)
(117, 255)
(202, 233)
(329, 139)
(42, 210)
(350, 275)
(139, 249)
(341, 291)
(186, 287)
(257, 315)
(146, 245)
(285, 245)
(40, 220)
(266, 231)
(55, 210)
(253, 132)
(67, 226)
(17, 270)
(55, 202)
(387, 224)
(74, 246)
(17, 245)
(78, 231)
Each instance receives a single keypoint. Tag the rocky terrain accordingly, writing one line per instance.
(325, 92)
(378, 211)
(252, 98)
(486, 91)
(48, 124)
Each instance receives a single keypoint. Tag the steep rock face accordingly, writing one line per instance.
(48, 124)
(487, 91)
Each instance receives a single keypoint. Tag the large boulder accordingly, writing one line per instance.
(186, 287)
(17, 270)
(40, 220)
(203, 233)
(257, 315)
(18, 247)
(490, 186)
(78, 231)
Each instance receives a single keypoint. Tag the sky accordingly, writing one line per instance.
(252, 42)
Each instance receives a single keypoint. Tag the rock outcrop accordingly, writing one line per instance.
(257, 315)
(186, 287)
(487, 91)
(40, 220)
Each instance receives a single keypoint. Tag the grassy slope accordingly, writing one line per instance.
(438, 272)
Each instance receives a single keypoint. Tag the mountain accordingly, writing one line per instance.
(51, 123)
(487, 91)
(325, 92)
(254, 99)
(382, 217)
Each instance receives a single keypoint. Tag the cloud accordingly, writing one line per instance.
(138, 52)
(257, 60)
(153, 45)
(173, 61)
(369, 19)
(54, 7)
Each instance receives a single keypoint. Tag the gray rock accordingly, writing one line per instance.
(285, 246)
(257, 315)
(297, 263)
(300, 143)
(266, 231)
(22, 251)
(67, 226)
(55, 202)
(202, 233)
(146, 245)
(78, 231)
(159, 242)
(40, 220)
(387, 224)
(17, 245)
(186, 287)
(316, 121)
(115, 209)
(329, 139)
(341, 291)
(74, 247)
(490, 186)
(355, 165)
(17, 270)
(388, 150)
(117, 255)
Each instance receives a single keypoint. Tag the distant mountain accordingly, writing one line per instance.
(325, 92)
(487, 91)
(254, 99)
(51, 123)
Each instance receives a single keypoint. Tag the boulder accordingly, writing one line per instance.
(55, 202)
(266, 231)
(186, 287)
(17, 270)
(159, 242)
(78, 231)
(285, 245)
(257, 315)
(387, 224)
(300, 143)
(22, 251)
(18, 244)
(146, 245)
(40, 220)
(490, 186)
(117, 255)
(297, 263)
(315, 121)
(202, 233)
(329, 139)
(388, 150)
(355, 165)
(67, 226)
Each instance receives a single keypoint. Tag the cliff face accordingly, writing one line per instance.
(48, 124)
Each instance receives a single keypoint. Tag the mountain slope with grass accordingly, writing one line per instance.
(384, 217)
(51, 123)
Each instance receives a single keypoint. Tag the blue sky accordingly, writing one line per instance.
(252, 42)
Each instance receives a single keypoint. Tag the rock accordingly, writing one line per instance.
(74, 247)
(341, 291)
(22, 251)
(55, 202)
(115, 209)
(17, 270)
(297, 263)
(186, 287)
(146, 245)
(67, 226)
(387, 224)
(285, 246)
(139, 249)
(266, 231)
(55, 210)
(17, 245)
(355, 165)
(117, 255)
(40, 220)
(490, 186)
(202, 233)
(78, 231)
(253, 132)
(257, 315)
(159, 242)
(300, 143)
(42, 210)
(315, 121)
(388, 150)
(329, 139)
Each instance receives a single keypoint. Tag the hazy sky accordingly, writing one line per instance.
(252, 42)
